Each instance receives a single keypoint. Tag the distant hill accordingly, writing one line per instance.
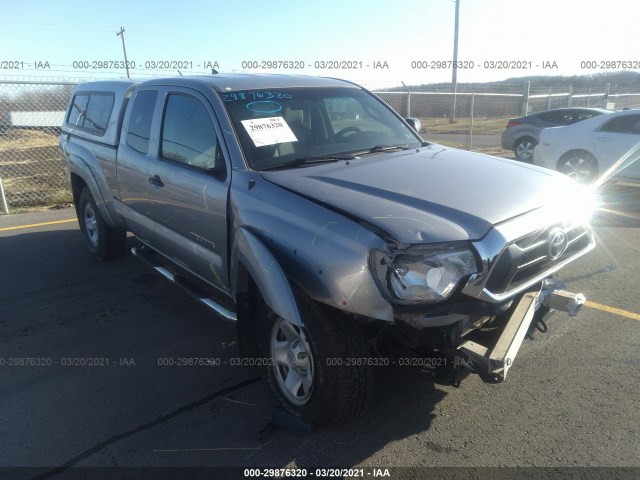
(620, 81)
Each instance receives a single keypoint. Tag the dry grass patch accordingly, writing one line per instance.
(481, 126)
(24, 139)
(32, 168)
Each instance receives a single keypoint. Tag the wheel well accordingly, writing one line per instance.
(247, 294)
(525, 137)
(247, 298)
(77, 185)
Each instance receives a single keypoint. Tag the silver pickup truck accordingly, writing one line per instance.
(310, 213)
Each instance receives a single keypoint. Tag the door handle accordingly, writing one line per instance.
(155, 180)
(604, 139)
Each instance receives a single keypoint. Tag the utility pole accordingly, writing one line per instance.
(454, 75)
(124, 48)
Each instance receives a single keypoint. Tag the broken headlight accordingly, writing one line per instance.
(422, 274)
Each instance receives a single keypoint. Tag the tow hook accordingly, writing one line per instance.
(565, 301)
(553, 297)
(538, 322)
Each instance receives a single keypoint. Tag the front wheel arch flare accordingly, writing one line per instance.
(250, 254)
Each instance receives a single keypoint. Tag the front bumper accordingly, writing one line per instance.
(492, 360)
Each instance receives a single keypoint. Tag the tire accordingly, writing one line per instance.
(579, 165)
(524, 149)
(104, 242)
(329, 391)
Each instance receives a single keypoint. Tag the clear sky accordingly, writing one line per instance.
(381, 33)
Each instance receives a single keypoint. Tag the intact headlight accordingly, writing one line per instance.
(422, 274)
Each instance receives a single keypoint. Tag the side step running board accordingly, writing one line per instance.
(184, 283)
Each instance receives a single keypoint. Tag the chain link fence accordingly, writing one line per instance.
(464, 117)
(504, 101)
(32, 170)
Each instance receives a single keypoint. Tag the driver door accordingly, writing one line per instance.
(188, 185)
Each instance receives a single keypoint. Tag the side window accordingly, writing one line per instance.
(78, 110)
(140, 120)
(623, 124)
(558, 117)
(548, 117)
(98, 113)
(188, 135)
(91, 112)
(584, 115)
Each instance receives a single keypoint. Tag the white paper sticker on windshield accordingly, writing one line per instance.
(269, 131)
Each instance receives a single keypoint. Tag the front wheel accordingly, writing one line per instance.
(579, 165)
(105, 242)
(318, 371)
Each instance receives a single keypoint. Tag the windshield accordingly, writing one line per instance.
(282, 126)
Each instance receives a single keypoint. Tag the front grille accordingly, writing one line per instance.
(530, 257)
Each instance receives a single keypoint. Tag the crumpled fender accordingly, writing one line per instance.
(264, 269)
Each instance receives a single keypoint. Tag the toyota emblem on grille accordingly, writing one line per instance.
(557, 244)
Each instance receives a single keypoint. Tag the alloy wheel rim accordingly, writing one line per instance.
(578, 169)
(292, 361)
(525, 150)
(91, 225)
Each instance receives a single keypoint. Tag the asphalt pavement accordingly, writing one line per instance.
(86, 380)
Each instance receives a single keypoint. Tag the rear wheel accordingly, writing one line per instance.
(524, 149)
(579, 165)
(318, 371)
(105, 242)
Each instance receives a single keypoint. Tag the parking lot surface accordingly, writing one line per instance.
(111, 383)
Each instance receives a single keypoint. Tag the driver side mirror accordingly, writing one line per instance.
(414, 123)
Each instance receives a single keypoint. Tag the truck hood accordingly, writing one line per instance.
(431, 194)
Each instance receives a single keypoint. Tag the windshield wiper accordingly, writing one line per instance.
(302, 161)
(383, 148)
